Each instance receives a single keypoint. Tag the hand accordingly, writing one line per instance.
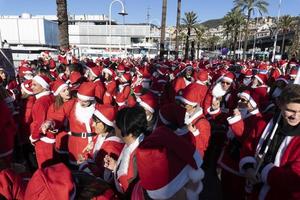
(46, 126)
(109, 163)
(192, 128)
(236, 112)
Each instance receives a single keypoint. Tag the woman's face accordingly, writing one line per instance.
(65, 94)
(99, 127)
(291, 113)
(2, 75)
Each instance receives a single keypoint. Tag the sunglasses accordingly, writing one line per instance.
(225, 83)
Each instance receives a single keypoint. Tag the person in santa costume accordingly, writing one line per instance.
(195, 119)
(261, 90)
(247, 112)
(94, 76)
(182, 81)
(104, 143)
(110, 85)
(158, 180)
(78, 111)
(62, 94)
(131, 126)
(62, 57)
(278, 147)
(123, 90)
(43, 143)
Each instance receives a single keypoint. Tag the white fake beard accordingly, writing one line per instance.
(246, 81)
(218, 91)
(84, 114)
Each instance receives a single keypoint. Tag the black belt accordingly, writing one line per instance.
(83, 134)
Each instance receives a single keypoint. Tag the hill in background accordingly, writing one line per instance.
(213, 23)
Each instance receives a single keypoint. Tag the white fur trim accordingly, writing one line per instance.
(59, 89)
(105, 70)
(146, 106)
(166, 122)
(213, 112)
(47, 140)
(41, 81)
(6, 153)
(249, 98)
(227, 79)
(234, 119)
(85, 98)
(107, 94)
(45, 93)
(103, 118)
(196, 133)
(245, 160)
(180, 180)
(32, 140)
(26, 90)
(184, 100)
(259, 79)
(265, 172)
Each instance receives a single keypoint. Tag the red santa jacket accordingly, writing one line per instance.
(126, 171)
(200, 91)
(99, 90)
(26, 118)
(62, 59)
(39, 115)
(110, 90)
(8, 132)
(102, 146)
(11, 185)
(122, 94)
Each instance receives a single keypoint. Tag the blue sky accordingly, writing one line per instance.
(137, 9)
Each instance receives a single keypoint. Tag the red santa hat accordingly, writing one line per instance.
(202, 75)
(157, 153)
(229, 77)
(26, 72)
(54, 182)
(86, 91)
(262, 78)
(121, 68)
(247, 95)
(74, 77)
(95, 71)
(248, 73)
(26, 87)
(148, 102)
(125, 77)
(293, 73)
(108, 71)
(57, 86)
(43, 80)
(106, 113)
(188, 97)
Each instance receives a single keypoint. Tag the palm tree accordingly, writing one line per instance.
(62, 18)
(233, 21)
(189, 23)
(249, 6)
(177, 28)
(199, 38)
(285, 25)
(212, 42)
(163, 29)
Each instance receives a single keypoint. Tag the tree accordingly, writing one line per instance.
(62, 18)
(177, 28)
(285, 25)
(233, 21)
(163, 29)
(189, 22)
(249, 6)
(294, 50)
(212, 42)
(199, 38)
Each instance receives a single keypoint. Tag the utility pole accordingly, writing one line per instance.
(177, 28)
(163, 29)
(276, 34)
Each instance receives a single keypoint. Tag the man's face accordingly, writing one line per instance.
(2, 75)
(84, 104)
(225, 85)
(291, 113)
(36, 87)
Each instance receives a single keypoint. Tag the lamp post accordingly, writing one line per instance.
(254, 39)
(123, 13)
(276, 34)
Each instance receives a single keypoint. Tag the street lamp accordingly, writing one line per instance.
(276, 34)
(254, 39)
(123, 13)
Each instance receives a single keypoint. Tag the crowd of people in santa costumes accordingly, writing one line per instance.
(149, 129)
